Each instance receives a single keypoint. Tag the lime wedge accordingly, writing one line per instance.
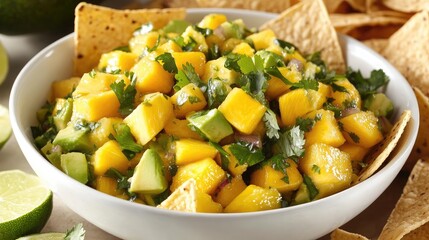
(44, 236)
(25, 203)
(4, 63)
(6, 129)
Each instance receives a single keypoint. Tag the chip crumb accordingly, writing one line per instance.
(183, 198)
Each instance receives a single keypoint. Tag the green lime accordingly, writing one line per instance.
(44, 236)
(4, 64)
(6, 129)
(25, 203)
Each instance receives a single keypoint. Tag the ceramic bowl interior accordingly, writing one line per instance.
(129, 220)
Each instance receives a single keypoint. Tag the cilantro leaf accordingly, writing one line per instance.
(217, 91)
(279, 163)
(188, 75)
(312, 189)
(75, 233)
(122, 181)
(223, 154)
(306, 124)
(285, 45)
(186, 46)
(204, 31)
(304, 83)
(270, 122)
(126, 140)
(367, 86)
(246, 153)
(125, 96)
(291, 143)
(168, 62)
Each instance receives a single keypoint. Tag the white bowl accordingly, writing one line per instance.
(128, 220)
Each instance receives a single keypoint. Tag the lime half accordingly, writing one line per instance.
(6, 129)
(25, 203)
(4, 63)
(44, 236)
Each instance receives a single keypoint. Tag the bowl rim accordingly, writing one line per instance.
(26, 144)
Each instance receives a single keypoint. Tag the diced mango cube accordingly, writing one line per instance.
(325, 129)
(262, 39)
(196, 59)
(107, 185)
(190, 34)
(299, 102)
(141, 43)
(190, 150)
(206, 172)
(170, 46)
(244, 49)
(150, 117)
(329, 169)
(179, 128)
(117, 60)
(234, 167)
(276, 87)
(188, 99)
(151, 77)
(97, 82)
(347, 99)
(104, 128)
(206, 204)
(356, 152)
(242, 111)
(362, 129)
(216, 69)
(62, 88)
(268, 177)
(212, 21)
(228, 191)
(255, 198)
(109, 156)
(93, 107)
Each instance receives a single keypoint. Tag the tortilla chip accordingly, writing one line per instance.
(307, 25)
(259, 5)
(339, 234)
(376, 44)
(181, 3)
(418, 234)
(359, 5)
(382, 151)
(412, 209)
(407, 6)
(183, 198)
(100, 29)
(421, 146)
(408, 51)
(333, 5)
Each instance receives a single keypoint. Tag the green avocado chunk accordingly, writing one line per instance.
(212, 124)
(75, 165)
(64, 109)
(148, 177)
(379, 104)
(72, 139)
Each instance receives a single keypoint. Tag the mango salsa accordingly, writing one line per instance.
(213, 117)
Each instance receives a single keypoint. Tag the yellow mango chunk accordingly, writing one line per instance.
(188, 99)
(299, 102)
(244, 49)
(180, 129)
(196, 59)
(216, 69)
(268, 177)
(150, 117)
(207, 174)
(190, 34)
(329, 169)
(356, 152)
(255, 198)
(105, 128)
(350, 98)
(206, 204)
(109, 156)
(263, 39)
(141, 43)
(212, 21)
(276, 87)
(242, 111)
(295, 55)
(62, 88)
(361, 129)
(325, 129)
(234, 167)
(107, 185)
(230, 190)
(117, 60)
(97, 82)
(151, 77)
(190, 150)
(170, 46)
(93, 107)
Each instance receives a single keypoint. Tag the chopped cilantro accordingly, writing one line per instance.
(328, 105)
(125, 95)
(315, 168)
(122, 181)
(92, 73)
(82, 124)
(312, 190)
(188, 75)
(271, 125)
(168, 62)
(123, 49)
(214, 52)
(151, 49)
(291, 143)
(75, 233)
(354, 137)
(217, 91)
(126, 140)
(278, 162)
(286, 45)
(246, 153)
(223, 155)
(194, 99)
(204, 31)
(306, 124)
(304, 83)
(186, 46)
(367, 86)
